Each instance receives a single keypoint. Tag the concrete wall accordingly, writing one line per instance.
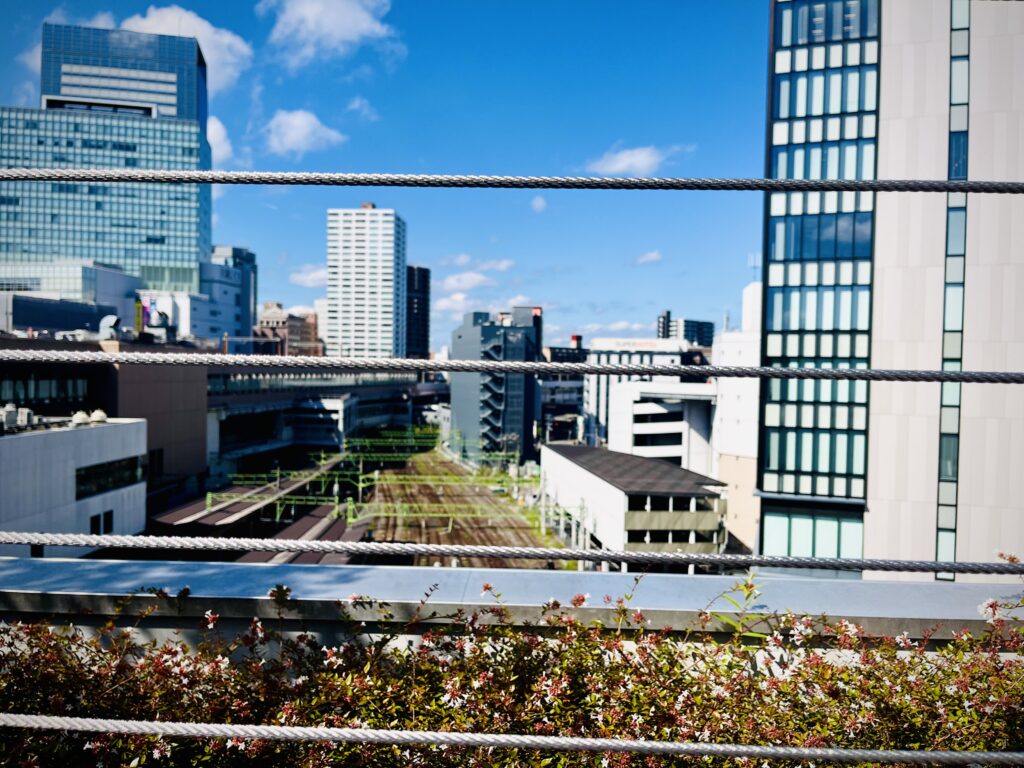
(118, 289)
(908, 285)
(172, 399)
(910, 241)
(695, 426)
(992, 417)
(37, 481)
(735, 428)
(568, 485)
(743, 508)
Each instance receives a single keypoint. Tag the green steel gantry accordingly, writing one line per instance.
(369, 479)
(355, 512)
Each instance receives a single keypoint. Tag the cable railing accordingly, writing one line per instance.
(506, 182)
(214, 543)
(505, 740)
(504, 366)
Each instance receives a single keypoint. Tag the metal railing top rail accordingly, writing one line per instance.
(375, 364)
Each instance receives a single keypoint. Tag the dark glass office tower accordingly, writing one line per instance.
(111, 99)
(417, 314)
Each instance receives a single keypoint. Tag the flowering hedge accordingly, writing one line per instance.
(764, 685)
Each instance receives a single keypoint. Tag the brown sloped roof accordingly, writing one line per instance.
(637, 474)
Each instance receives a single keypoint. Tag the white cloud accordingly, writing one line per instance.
(298, 132)
(498, 265)
(309, 276)
(362, 107)
(465, 281)
(635, 161)
(220, 142)
(458, 259)
(650, 257)
(33, 57)
(457, 303)
(227, 55)
(618, 326)
(102, 20)
(519, 300)
(217, 191)
(538, 204)
(308, 30)
(300, 309)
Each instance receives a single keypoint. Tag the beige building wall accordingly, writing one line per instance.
(743, 508)
(901, 521)
(991, 507)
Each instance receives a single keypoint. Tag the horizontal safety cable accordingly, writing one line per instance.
(506, 182)
(395, 365)
(503, 741)
(470, 550)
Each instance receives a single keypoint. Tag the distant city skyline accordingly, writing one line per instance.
(410, 88)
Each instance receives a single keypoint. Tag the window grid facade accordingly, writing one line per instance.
(953, 298)
(818, 272)
(366, 283)
(159, 233)
(126, 67)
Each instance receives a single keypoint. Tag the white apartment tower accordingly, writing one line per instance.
(365, 282)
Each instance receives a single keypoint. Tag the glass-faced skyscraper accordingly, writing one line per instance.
(895, 89)
(111, 99)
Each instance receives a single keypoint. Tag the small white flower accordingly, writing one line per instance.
(904, 641)
(990, 610)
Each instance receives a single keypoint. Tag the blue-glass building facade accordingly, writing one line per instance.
(111, 99)
(114, 65)
(822, 124)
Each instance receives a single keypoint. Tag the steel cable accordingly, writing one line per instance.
(394, 365)
(470, 550)
(504, 741)
(504, 182)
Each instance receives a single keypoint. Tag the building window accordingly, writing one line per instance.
(109, 476)
(805, 535)
(651, 441)
(949, 451)
(655, 418)
(100, 524)
(958, 155)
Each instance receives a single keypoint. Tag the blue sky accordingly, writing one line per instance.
(464, 86)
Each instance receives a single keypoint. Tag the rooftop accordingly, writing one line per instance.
(635, 474)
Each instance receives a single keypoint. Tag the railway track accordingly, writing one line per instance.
(498, 531)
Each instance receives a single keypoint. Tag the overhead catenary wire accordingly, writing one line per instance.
(397, 365)
(503, 741)
(185, 176)
(527, 553)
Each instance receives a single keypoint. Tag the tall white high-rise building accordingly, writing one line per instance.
(366, 278)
